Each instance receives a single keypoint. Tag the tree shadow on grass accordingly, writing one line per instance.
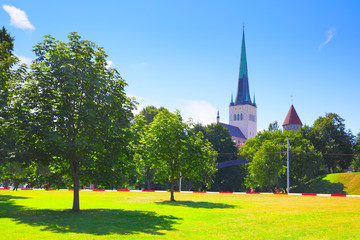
(197, 204)
(89, 221)
(320, 185)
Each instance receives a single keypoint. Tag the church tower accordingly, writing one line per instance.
(292, 120)
(243, 112)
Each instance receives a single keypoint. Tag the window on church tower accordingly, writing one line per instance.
(234, 117)
(238, 117)
(241, 117)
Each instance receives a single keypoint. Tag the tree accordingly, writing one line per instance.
(266, 167)
(330, 137)
(305, 162)
(76, 114)
(148, 113)
(172, 149)
(356, 162)
(229, 178)
(6, 38)
(273, 127)
(7, 76)
(141, 125)
(7, 61)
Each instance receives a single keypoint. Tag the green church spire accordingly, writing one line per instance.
(232, 100)
(243, 62)
(243, 93)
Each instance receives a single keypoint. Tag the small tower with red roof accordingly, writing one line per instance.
(292, 120)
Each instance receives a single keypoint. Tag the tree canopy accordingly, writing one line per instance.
(74, 113)
(264, 150)
(228, 179)
(356, 162)
(142, 123)
(329, 136)
(8, 138)
(173, 150)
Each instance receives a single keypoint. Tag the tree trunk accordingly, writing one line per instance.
(75, 176)
(172, 192)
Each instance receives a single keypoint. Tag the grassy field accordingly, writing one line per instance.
(341, 183)
(42, 214)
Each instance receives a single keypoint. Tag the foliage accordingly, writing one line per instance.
(228, 179)
(273, 127)
(12, 166)
(305, 162)
(266, 167)
(149, 113)
(7, 61)
(74, 114)
(173, 150)
(356, 162)
(329, 136)
(145, 174)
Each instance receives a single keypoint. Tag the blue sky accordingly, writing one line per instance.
(185, 54)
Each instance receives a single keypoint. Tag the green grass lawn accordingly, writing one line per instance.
(43, 214)
(341, 183)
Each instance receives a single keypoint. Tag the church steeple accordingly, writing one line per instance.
(242, 111)
(243, 93)
(232, 100)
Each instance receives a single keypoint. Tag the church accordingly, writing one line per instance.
(242, 112)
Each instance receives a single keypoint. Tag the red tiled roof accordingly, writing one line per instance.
(292, 117)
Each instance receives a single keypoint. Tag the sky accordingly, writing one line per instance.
(185, 55)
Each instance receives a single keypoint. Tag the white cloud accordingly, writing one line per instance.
(109, 64)
(329, 35)
(18, 18)
(142, 102)
(139, 65)
(24, 59)
(200, 111)
(260, 130)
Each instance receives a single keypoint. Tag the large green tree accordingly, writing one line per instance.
(142, 123)
(173, 150)
(7, 61)
(329, 136)
(305, 161)
(266, 166)
(8, 137)
(76, 113)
